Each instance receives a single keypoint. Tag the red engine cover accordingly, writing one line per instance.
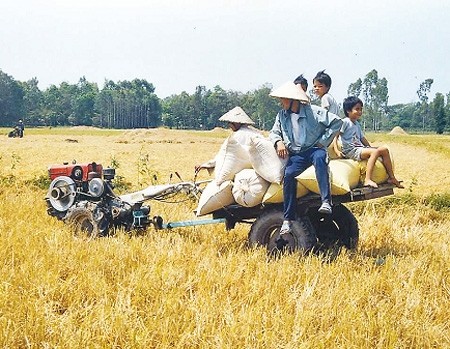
(78, 172)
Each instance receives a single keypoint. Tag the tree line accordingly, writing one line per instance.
(134, 104)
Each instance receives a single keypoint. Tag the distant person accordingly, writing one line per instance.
(302, 133)
(239, 122)
(20, 127)
(322, 85)
(355, 145)
(301, 80)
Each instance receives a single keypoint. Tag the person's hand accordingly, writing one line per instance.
(339, 153)
(281, 150)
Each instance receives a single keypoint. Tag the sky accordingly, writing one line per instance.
(239, 45)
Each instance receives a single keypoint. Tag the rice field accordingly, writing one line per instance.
(202, 287)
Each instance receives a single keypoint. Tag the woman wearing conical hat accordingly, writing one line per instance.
(302, 133)
(240, 123)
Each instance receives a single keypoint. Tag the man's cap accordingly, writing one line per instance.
(291, 91)
(237, 115)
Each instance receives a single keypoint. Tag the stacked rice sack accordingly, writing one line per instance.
(245, 174)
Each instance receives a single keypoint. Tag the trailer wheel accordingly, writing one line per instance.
(265, 231)
(338, 230)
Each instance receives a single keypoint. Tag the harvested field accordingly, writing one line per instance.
(202, 287)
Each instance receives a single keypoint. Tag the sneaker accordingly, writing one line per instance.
(285, 228)
(325, 208)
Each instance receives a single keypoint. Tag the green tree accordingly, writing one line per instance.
(400, 115)
(32, 102)
(261, 107)
(375, 95)
(83, 103)
(199, 107)
(128, 104)
(11, 100)
(423, 107)
(218, 103)
(58, 105)
(438, 112)
(447, 112)
(355, 88)
(174, 110)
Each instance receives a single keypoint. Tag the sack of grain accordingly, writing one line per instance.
(249, 188)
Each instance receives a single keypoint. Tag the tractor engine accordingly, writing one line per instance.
(82, 195)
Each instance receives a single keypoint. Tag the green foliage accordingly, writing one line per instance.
(435, 201)
(119, 182)
(128, 104)
(41, 181)
(134, 104)
(438, 111)
(11, 100)
(145, 171)
(375, 96)
(439, 201)
(203, 109)
(33, 100)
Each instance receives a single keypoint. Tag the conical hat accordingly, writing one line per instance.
(291, 91)
(237, 115)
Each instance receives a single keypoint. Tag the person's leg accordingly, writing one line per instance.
(372, 155)
(387, 162)
(295, 165)
(319, 158)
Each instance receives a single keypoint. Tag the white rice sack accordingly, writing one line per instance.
(266, 161)
(344, 176)
(232, 158)
(215, 197)
(249, 188)
(245, 133)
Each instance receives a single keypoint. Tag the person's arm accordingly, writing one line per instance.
(336, 145)
(365, 141)
(332, 125)
(276, 137)
(276, 134)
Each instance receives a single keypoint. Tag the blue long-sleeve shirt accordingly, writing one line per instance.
(315, 126)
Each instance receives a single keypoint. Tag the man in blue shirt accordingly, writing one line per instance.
(302, 133)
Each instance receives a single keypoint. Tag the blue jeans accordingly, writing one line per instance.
(298, 163)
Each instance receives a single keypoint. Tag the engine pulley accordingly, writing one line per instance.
(61, 193)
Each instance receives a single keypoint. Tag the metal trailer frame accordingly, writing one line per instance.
(235, 213)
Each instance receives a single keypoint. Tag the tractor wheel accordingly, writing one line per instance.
(82, 221)
(265, 231)
(340, 229)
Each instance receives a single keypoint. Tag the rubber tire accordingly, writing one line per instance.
(340, 229)
(82, 222)
(265, 231)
